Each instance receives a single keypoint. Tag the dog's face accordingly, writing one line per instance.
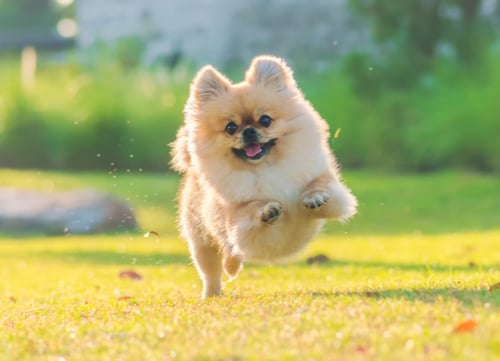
(244, 123)
(252, 144)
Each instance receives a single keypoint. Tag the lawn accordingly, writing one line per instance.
(409, 278)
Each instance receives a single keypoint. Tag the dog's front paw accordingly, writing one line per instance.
(271, 212)
(314, 200)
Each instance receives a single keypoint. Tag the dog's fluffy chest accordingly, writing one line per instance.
(269, 184)
(283, 182)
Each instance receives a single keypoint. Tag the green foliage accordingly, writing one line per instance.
(428, 94)
(116, 115)
(105, 117)
(24, 140)
(23, 17)
(414, 34)
(457, 120)
(448, 119)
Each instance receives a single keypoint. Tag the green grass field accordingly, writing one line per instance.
(416, 263)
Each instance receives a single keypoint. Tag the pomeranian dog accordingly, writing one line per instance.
(259, 178)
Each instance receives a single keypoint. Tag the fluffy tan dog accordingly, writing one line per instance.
(259, 176)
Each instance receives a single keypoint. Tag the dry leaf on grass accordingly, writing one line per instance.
(131, 275)
(318, 259)
(361, 349)
(465, 326)
(337, 133)
(495, 287)
(151, 233)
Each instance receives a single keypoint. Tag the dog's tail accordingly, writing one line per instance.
(181, 160)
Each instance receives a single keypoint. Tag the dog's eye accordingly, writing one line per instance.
(231, 128)
(265, 121)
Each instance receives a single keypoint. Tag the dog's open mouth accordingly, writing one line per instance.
(254, 151)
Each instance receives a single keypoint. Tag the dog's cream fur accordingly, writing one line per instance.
(231, 209)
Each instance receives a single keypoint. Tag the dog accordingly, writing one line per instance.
(259, 178)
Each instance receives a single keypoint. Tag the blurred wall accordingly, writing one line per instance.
(223, 32)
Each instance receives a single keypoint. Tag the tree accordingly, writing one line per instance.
(414, 33)
(32, 15)
(33, 23)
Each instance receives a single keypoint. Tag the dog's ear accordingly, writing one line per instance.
(209, 84)
(270, 71)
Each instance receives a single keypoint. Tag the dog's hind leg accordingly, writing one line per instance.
(208, 262)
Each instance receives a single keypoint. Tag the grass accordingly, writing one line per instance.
(397, 283)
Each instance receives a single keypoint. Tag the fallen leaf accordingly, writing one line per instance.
(132, 275)
(495, 287)
(371, 294)
(320, 258)
(337, 132)
(154, 233)
(361, 349)
(465, 326)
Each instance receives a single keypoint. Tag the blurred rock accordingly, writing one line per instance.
(84, 211)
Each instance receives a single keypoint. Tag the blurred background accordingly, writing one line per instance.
(94, 84)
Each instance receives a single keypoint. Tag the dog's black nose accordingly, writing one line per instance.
(250, 135)
(250, 132)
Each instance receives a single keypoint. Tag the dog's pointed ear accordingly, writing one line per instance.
(209, 84)
(271, 72)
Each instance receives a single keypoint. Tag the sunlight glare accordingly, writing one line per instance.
(63, 3)
(67, 28)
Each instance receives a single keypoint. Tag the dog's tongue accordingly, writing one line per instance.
(252, 150)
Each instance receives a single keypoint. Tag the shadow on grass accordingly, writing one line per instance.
(468, 297)
(416, 267)
(155, 259)
(118, 258)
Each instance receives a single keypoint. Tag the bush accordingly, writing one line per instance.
(99, 118)
(113, 117)
(458, 122)
(24, 139)
(449, 120)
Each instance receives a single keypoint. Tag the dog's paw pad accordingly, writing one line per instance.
(316, 199)
(271, 212)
